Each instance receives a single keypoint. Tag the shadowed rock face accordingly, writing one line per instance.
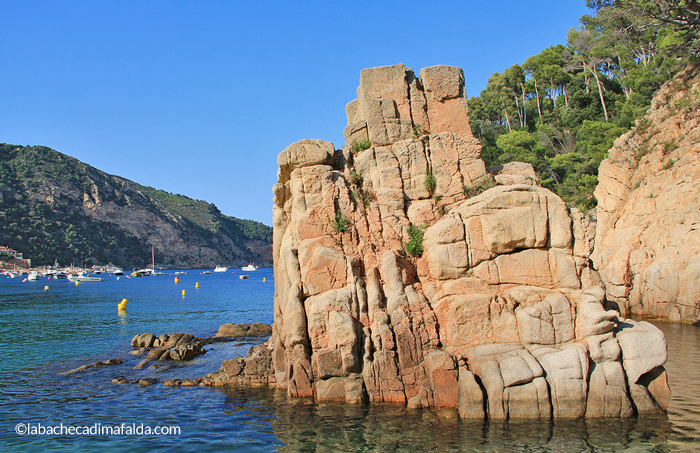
(648, 237)
(500, 315)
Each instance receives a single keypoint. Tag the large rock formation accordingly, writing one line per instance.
(396, 280)
(648, 236)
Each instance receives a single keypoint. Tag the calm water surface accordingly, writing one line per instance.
(44, 334)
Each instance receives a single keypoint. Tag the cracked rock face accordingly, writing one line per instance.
(500, 315)
(648, 236)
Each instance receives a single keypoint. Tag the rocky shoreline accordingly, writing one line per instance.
(177, 348)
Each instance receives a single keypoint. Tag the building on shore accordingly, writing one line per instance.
(10, 258)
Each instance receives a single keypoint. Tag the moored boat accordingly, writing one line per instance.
(220, 269)
(83, 278)
(249, 268)
(34, 275)
(152, 270)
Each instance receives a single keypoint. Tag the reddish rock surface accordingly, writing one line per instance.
(647, 245)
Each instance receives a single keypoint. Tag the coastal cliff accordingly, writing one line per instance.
(54, 207)
(647, 245)
(407, 272)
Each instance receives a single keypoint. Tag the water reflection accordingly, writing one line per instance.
(304, 426)
(683, 378)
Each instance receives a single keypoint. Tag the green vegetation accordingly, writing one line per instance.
(208, 216)
(356, 178)
(360, 145)
(360, 194)
(363, 196)
(480, 187)
(42, 198)
(340, 223)
(561, 110)
(418, 132)
(414, 246)
(430, 181)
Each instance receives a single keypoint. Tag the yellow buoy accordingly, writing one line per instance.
(122, 304)
(184, 292)
(196, 285)
(77, 283)
(46, 288)
(177, 279)
(264, 279)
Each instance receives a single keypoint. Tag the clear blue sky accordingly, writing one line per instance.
(199, 97)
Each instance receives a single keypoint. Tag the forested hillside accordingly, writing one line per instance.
(54, 207)
(562, 109)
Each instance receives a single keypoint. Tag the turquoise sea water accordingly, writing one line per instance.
(44, 334)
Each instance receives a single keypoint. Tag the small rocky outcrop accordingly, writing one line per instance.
(404, 273)
(98, 364)
(647, 245)
(255, 329)
(178, 346)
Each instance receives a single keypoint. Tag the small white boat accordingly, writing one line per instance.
(83, 278)
(33, 276)
(220, 269)
(11, 274)
(181, 273)
(60, 275)
(244, 277)
(249, 268)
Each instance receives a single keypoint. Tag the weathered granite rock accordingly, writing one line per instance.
(515, 173)
(177, 346)
(255, 329)
(647, 245)
(500, 315)
(513, 380)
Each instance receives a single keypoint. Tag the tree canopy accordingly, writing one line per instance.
(562, 109)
